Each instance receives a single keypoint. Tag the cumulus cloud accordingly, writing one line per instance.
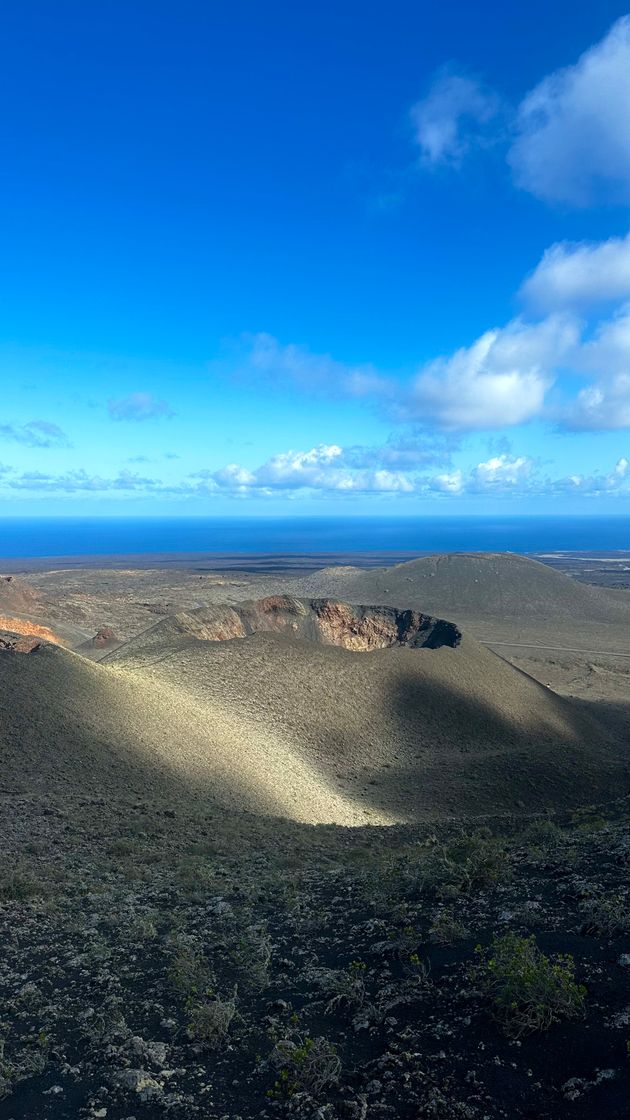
(322, 468)
(37, 433)
(502, 472)
(580, 274)
(614, 482)
(449, 482)
(500, 380)
(573, 142)
(331, 469)
(499, 474)
(603, 406)
(520, 476)
(323, 472)
(137, 407)
(605, 402)
(570, 141)
(452, 119)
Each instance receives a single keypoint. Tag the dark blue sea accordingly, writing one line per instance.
(65, 536)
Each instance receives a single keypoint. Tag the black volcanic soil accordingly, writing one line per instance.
(129, 930)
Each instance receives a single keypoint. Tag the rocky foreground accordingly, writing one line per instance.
(240, 969)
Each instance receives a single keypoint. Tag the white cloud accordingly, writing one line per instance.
(321, 468)
(573, 142)
(605, 403)
(452, 119)
(447, 483)
(502, 471)
(519, 476)
(592, 485)
(233, 477)
(602, 406)
(580, 274)
(500, 380)
(322, 472)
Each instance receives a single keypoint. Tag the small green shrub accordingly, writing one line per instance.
(210, 1019)
(196, 876)
(608, 916)
(347, 987)
(446, 929)
(143, 928)
(252, 957)
(309, 1065)
(189, 971)
(529, 991)
(466, 864)
(543, 835)
(28, 1062)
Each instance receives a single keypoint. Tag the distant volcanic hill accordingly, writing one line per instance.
(480, 584)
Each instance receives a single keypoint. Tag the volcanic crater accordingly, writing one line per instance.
(322, 621)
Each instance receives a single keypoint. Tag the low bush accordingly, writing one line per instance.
(308, 1065)
(528, 990)
(210, 1019)
(467, 864)
(446, 929)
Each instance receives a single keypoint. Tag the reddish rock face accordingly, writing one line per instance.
(22, 627)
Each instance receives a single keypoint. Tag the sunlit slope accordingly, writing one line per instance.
(69, 727)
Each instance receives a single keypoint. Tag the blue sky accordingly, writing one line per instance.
(354, 258)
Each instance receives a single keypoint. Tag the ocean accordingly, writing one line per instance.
(67, 536)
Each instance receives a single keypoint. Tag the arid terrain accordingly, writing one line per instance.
(347, 842)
